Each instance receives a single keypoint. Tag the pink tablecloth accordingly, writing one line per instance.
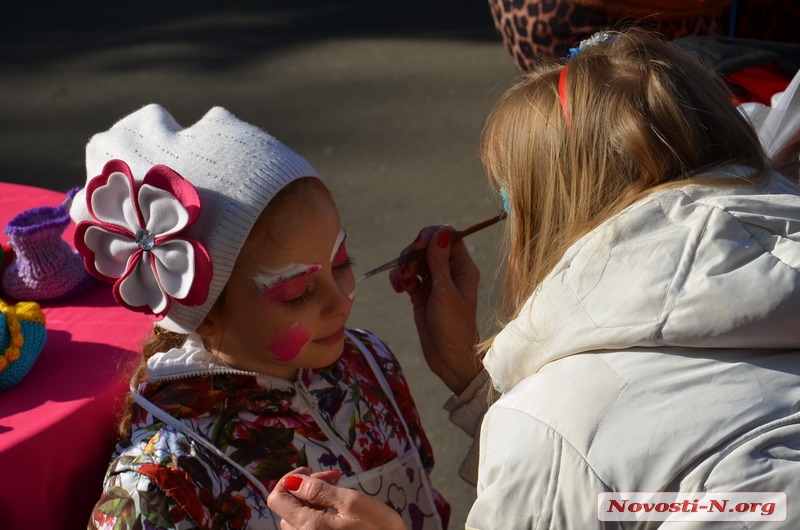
(57, 425)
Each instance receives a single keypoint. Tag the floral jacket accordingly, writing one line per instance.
(356, 416)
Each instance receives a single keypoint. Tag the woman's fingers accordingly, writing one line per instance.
(306, 502)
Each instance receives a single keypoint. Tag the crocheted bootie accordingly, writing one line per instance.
(22, 337)
(45, 266)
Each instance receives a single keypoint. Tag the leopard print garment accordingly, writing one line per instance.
(534, 28)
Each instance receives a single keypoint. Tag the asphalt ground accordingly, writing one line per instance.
(385, 99)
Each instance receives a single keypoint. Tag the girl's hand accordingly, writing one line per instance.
(444, 296)
(313, 502)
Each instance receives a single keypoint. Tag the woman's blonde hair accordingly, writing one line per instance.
(637, 113)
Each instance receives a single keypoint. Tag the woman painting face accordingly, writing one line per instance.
(289, 295)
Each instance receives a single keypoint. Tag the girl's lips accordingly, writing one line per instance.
(332, 339)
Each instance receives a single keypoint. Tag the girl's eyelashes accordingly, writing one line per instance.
(345, 265)
(300, 300)
(340, 260)
(299, 289)
(291, 290)
(340, 257)
(307, 293)
(287, 283)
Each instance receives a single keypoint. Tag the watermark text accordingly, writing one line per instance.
(687, 506)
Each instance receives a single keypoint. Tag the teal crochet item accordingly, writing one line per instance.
(22, 337)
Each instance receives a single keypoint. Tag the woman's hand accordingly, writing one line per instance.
(313, 502)
(444, 296)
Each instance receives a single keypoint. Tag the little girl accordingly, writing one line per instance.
(234, 245)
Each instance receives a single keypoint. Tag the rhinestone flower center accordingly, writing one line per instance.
(145, 239)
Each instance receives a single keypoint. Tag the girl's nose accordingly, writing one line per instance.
(340, 298)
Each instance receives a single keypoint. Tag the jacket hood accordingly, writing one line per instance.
(191, 359)
(698, 266)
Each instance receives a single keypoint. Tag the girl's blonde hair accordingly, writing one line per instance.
(638, 114)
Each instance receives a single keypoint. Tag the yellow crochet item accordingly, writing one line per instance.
(27, 315)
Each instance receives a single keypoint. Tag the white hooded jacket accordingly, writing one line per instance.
(661, 354)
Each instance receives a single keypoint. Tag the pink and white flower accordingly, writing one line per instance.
(136, 240)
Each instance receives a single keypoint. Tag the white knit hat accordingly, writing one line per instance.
(153, 237)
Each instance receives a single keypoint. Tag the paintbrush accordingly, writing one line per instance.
(458, 234)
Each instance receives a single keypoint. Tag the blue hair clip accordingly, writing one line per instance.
(506, 201)
(598, 38)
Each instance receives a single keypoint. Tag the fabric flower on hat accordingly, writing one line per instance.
(136, 238)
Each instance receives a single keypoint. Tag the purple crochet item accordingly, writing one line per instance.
(45, 266)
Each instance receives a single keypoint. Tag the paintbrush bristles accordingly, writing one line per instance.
(421, 252)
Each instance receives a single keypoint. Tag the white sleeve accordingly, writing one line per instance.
(466, 412)
(530, 477)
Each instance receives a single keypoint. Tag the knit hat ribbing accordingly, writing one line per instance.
(236, 168)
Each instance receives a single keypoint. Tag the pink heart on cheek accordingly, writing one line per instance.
(286, 344)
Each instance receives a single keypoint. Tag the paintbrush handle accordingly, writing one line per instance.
(416, 254)
(479, 226)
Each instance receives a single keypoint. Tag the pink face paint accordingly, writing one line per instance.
(339, 256)
(290, 290)
(338, 246)
(285, 283)
(287, 343)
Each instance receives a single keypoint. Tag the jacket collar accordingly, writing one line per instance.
(191, 359)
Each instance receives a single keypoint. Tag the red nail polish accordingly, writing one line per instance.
(396, 285)
(444, 239)
(419, 237)
(292, 483)
(403, 269)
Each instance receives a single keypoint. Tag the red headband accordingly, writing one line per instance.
(562, 92)
(597, 38)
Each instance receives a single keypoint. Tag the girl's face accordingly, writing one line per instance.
(290, 292)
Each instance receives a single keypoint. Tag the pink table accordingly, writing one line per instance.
(57, 425)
